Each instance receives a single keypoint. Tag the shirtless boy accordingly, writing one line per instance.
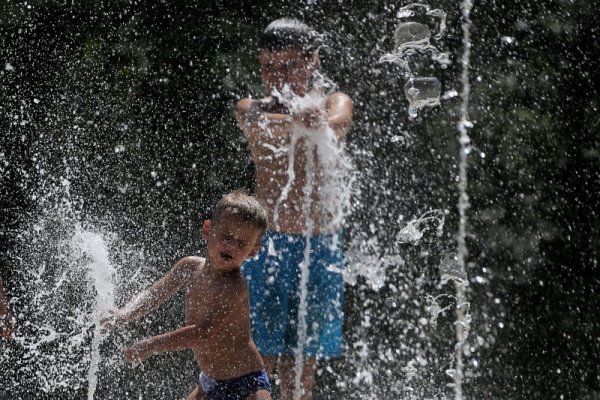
(216, 306)
(289, 59)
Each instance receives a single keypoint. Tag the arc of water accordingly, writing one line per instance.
(462, 304)
(285, 97)
(325, 147)
(100, 272)
(291, 177)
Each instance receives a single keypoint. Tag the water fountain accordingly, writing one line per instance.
(415, 54)
(93, 253)
(100, 272)
(64, 298)
(326, 165)
(463, 319)
(105, 109)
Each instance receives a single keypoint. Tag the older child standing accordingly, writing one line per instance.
(217, 311)
(288, 60)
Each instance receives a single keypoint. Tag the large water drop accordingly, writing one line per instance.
(422, 92)
(411, 33)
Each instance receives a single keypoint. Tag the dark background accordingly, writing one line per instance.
(131, 102)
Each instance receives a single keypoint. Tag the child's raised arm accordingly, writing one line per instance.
(155, 295)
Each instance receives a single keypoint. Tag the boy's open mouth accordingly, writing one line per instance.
(226, 256)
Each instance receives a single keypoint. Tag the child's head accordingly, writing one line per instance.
(286, 33)
(234, 232)
(288, 55)
(244, 208)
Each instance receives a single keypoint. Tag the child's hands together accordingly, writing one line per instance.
(311, 118)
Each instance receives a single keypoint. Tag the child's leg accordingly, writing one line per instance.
(197, 394)
(260, 395)
(287, 377)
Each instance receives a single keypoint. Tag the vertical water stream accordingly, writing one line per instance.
(462, 304)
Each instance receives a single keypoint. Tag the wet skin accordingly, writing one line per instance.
(267, 125)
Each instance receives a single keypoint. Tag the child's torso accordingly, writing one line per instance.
(285, 169)
(226, 349)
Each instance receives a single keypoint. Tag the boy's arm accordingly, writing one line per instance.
(190, 336)
(179, 339)
(154, 296)
(339, 114)
(248, 112)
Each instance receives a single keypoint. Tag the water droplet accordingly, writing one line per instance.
(411, 33)
(422, 92)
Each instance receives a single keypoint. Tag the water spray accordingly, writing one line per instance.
(462, 305)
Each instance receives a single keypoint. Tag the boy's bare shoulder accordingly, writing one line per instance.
(189, 265)
(243, 106)
(339, 97)
(191, 260)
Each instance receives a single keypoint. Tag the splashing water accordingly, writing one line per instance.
(365, 251)
(304, 275)
(326, 165)
(415, 53)
(422, 92)
(414, 230)
(333, 165)
(434, 308)
(462, 305)
(413, 38)
(71, 284)
(93, 247)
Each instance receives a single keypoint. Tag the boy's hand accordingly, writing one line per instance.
(258, 108)
(137, 353)
(111, 319)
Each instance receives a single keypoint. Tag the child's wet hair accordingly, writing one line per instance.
(245, 208)
(286, 33)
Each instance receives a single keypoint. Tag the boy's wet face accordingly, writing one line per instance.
(287, 66)
(230, 242)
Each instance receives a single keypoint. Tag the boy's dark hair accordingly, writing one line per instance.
(288, 33)
(244, 207)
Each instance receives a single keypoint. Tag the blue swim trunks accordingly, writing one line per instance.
(273, 281)
(236, 388)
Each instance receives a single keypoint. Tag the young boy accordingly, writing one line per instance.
(288, 60)
(217, 311)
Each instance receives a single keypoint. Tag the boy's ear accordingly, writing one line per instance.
(206, 228)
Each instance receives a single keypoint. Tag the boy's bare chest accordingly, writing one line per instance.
(275, 153)
(202, 297)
